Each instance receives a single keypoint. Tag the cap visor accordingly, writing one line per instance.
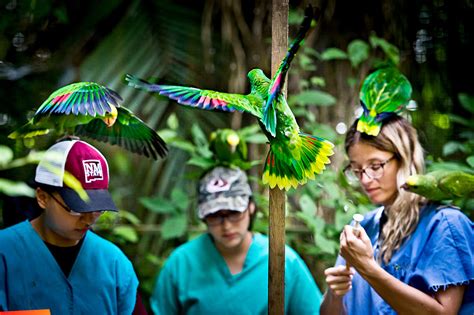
(99, 200)
(239, 203)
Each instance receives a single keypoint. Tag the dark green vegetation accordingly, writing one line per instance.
(213, 44)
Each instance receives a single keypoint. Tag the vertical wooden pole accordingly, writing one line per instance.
(276, 271)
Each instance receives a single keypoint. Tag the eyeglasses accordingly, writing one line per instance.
(373, 171)
(72, 212)
(218, 217)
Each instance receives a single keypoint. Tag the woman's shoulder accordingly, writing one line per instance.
(444, 213)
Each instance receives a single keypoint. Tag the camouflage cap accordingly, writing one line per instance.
(223, 189)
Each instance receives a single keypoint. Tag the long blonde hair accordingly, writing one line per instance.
(399, 137)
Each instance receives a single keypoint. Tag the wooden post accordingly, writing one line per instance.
(276, 270)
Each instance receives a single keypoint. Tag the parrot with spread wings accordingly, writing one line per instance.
(92, 110)
(294, 157)
(384, 93)
(441, 185)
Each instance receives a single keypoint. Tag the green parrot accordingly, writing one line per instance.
(228, 148)
(384, 93)
(92, 110)
(441, 185)
(294, 157)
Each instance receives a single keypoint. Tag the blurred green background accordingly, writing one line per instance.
(212, 44)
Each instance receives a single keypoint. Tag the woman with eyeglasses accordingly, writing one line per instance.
(411, 256)
(225, 271)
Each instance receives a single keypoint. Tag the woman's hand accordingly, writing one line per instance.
(356, 248)
(339, 279)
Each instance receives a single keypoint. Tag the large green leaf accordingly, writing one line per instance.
(174, 227)
(307, 205)
(333, 53)
(390, 50)
(158, 205)
(358, 51)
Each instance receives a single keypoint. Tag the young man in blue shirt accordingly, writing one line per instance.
(54, 261)
(225, 271)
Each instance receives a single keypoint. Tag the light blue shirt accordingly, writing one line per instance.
(439, 254)
(101, 281)
(196, 280)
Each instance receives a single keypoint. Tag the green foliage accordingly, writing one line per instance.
(7, 161)
(175, 222)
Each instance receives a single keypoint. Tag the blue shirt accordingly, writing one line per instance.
(101, 281)
(196, 280)
(438, 254)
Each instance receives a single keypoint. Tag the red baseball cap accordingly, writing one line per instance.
(87, 165)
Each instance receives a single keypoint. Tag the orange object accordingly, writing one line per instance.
(33, 312)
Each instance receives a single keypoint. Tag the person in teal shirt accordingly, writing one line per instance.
(55, 261)
(225, 271)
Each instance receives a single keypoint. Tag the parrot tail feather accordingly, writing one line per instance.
(287, 171)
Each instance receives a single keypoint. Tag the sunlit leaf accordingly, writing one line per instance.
(174, 227)
(12, 188)
(129, 216)
(470, 160)
(6, 155)
(127, 233)
(318, 81)
(173, 122)
(167, 134)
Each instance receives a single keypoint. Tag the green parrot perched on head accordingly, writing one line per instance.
(92, 110)
(294, 157)
(227, 146)
(384, 93)
(441, 185)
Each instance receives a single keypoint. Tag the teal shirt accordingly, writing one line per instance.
(101, 281)
(196, 280)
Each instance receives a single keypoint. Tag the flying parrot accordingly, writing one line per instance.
(441, 185)
(228, 148)
(92, 110)
(384, 93)
(294, 157)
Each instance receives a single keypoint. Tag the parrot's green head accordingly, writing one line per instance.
(233, 140)
(258, 81)
(420, 184)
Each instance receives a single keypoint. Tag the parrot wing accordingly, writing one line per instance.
(383, 94)
(203, 99)
(129, 132)
(82, 98)
(279, 79)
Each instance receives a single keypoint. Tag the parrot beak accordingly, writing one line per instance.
(111, 117)
(233, 140)
(404, 186)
